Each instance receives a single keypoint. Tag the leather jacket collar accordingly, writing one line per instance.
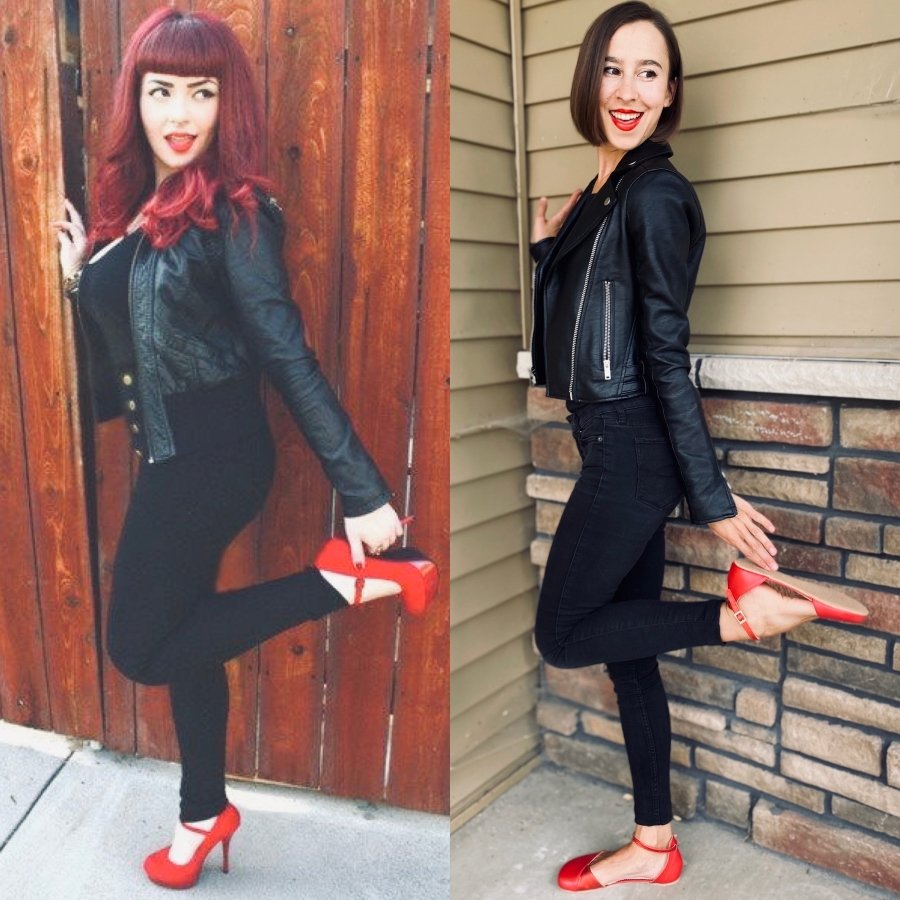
(576, 227)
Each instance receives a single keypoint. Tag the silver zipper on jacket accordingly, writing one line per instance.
(607, 329)
(584, 290)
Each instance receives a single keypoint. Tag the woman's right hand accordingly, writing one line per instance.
(72, 241)
(746, 532)
(375, 531)
(544, 227)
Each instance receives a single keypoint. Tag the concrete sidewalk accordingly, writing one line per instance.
(514, 848)
(77, 823)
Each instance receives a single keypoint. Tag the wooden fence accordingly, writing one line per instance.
(357, 112)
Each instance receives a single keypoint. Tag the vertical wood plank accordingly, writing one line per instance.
(112, 485)
(112, 476)
(419, 773)
(133, 12)
(383, 123)
(32, 174)
(305, 84)
(23, 682)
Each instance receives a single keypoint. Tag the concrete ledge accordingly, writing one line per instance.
(859, 379)
(854, 378)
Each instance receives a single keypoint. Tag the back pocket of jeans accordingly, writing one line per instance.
(658, 482)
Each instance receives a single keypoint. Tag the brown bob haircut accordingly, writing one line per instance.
(583, 101)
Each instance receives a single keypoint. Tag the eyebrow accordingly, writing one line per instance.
(192, 85)
(641, 62)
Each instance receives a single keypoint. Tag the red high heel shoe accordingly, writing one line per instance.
(829, 602)
(576, 874)
(415, 573)
(162, 871)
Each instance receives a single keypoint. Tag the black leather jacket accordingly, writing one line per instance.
(216, 306)
(627, 331)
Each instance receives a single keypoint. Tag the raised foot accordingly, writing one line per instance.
(767, 612)
(372, 588)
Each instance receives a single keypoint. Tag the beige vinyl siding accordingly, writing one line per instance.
(493, 667)
(790, 135)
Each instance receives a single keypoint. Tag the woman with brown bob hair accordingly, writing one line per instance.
(184, 301)
(616, 267)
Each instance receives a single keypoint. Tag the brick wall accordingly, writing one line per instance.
(796, 739)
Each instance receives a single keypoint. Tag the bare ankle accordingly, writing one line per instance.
(767, 611)
(657, 836)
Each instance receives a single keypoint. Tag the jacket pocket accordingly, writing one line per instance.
(658, 483)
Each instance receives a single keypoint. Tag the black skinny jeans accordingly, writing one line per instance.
(600, 598)
(167, 624)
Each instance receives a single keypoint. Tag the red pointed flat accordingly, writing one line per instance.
(576, 874)
(828, 602)
(162, 871)
(416, 574)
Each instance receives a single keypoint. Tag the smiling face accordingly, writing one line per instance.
(635, 88)
(179, 116)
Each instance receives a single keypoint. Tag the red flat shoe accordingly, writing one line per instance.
(162, 871)
(576, 874)
(412, 570)
(828, 602)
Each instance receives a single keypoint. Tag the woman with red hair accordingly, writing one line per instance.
(183, 298)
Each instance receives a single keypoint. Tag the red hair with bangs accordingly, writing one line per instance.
(172, 42)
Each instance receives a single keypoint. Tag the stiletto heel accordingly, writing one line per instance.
(576, 874)
(828, 602)
(415, 573)
(162, 871)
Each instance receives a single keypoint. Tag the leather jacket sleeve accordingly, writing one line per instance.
(666, 235)
(539, 249)
(273, 328)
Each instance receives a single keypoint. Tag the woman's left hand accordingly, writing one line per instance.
(376, 530)
(743, 531)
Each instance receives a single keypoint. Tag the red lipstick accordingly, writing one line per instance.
(625, 119)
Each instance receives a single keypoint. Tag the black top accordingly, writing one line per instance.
(201, 420)
(576, 250)
(103, 301)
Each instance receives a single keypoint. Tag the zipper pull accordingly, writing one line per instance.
(607, 370)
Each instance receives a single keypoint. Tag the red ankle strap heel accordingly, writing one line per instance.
(414, 572)
(162, 871)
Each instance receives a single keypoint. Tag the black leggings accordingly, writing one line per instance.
(600, 598)
(167, 625)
